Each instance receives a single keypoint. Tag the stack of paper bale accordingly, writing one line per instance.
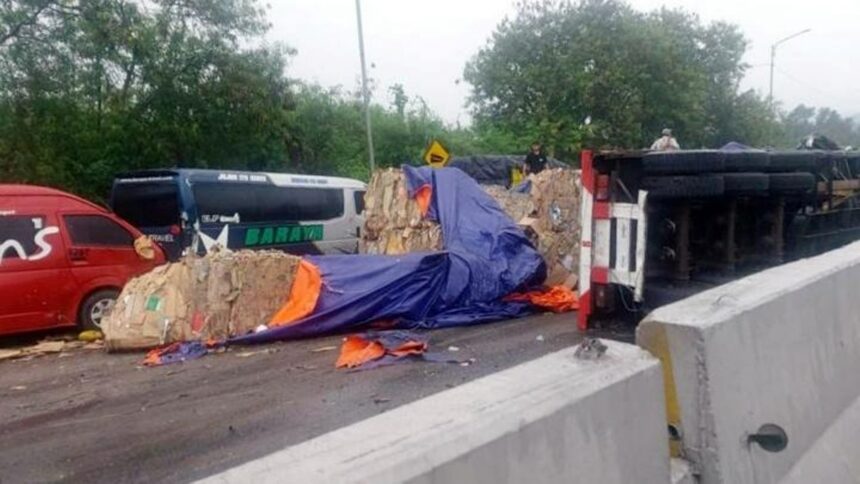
(393, 223)
(556, 221)
(549, 213)
(218, 296)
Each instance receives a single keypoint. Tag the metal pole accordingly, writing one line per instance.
(773, 56)
(364, 91)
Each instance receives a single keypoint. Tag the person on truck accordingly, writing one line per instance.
(666, 142)
(535, 161)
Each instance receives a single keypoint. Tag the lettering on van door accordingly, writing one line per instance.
(24, 249)
(285, 234)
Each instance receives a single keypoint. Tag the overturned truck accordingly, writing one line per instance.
(659, 226)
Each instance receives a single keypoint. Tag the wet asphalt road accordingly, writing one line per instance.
(86, 416)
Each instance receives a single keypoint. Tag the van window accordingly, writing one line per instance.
(97, 230)
(359, 202)
(22, 229)
(147, 204)
(262, 203)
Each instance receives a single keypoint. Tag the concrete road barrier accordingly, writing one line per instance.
(779, 347)
(554, 419)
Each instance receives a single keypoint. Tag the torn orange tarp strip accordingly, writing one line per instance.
(303, 296)
(410, 348)
(357, 351)
(557, 299)
(423, 196)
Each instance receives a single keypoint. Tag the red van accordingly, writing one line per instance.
(63, 260)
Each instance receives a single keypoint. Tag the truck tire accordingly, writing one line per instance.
(674, 187)
(683, 162)
(747, 161)
(746, 183)
(95, 307)
(783, 161)
(792, 183)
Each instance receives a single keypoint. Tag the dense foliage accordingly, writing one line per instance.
(91, 88)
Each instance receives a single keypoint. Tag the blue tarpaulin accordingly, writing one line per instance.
(486, 257)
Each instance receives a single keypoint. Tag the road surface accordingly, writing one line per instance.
(94, 417)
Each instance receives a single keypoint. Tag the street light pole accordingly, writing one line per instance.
(773, 58)
(364, 91)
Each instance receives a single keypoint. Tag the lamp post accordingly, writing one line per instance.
(364, 91)
(773, 57)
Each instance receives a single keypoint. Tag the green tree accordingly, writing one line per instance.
(555, 63)
(89, 88)
(328, 125)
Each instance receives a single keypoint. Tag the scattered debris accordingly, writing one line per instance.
(453, 348)
(470, 361)
(90, 335)
(19, 387)
(176, 353)
(323, 348)
(382, 348)
(590, 349)
(11, 354)
(246, 354)
(539, 337)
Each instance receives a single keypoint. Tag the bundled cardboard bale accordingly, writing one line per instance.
(393, 222)
(220, 295)
(556, 221)
(517, 205)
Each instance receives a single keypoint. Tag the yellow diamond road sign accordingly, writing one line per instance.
(436, 155)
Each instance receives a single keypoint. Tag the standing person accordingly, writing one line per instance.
(666, 142)
(535, 160)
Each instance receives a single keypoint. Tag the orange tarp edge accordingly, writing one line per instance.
(558, 299)
(303, 296)
(356, 351)
(423, 196)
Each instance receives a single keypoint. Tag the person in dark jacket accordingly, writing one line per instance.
(535, 160)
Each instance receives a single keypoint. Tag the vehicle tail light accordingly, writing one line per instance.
(602, 189)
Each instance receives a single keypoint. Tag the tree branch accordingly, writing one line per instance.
(16, 29)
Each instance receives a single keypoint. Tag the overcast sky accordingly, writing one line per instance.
(424, 45)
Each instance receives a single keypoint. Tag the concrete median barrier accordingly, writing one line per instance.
(780, 347)
(554, 419)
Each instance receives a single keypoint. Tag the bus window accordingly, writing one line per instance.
(147, 204)
(316, 203)
(263, 203)
(359, 202)
(225, 200)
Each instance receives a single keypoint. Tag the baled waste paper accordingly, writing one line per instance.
(218, 296)
(394, 223)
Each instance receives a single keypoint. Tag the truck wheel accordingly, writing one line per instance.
(671, 187)
(781, 161)
(793, 183)
(96, 307)
(683, 162)
(746, 183)
(747, 161)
